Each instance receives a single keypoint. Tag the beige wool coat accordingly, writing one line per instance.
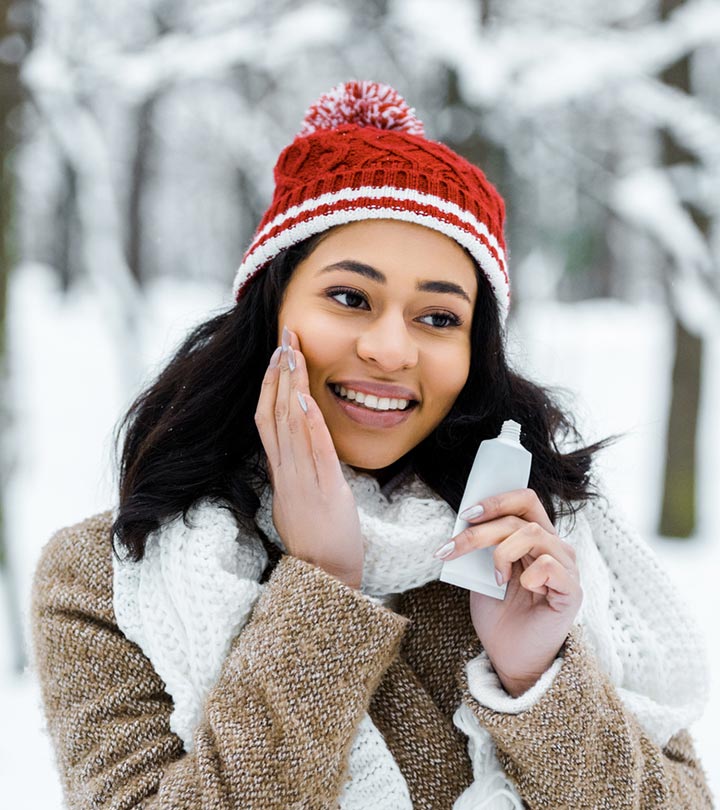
(313, 657)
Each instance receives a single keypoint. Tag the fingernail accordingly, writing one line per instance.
(472, 512)
(275, 357)
(285, 338)
(301, 399)
(445, 550)
(498, 577)
(291, 358)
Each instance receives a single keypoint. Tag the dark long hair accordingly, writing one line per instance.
(192, 433)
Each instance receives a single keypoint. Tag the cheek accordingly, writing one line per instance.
(324, 350)
(450, 374)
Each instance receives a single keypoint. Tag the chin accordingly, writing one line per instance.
(362, 461)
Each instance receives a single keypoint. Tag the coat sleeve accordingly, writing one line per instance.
(277, 726)
(609, 733)
(578, 746)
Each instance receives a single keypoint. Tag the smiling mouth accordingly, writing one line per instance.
(376, 404)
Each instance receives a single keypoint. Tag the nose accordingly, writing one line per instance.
(388, 343)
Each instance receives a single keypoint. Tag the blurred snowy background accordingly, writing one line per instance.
(137, 144)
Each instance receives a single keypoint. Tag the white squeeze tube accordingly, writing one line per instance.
(501, 465)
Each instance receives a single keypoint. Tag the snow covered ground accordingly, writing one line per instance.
(67, 397)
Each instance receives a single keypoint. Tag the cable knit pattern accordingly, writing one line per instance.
(313, 656)
(361, 155)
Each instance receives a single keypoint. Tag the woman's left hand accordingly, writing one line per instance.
(523, 633)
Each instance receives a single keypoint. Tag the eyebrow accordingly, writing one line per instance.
(375, 275)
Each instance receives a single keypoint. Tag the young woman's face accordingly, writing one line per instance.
(383, 307)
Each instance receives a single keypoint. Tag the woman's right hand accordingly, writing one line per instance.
(314, 510)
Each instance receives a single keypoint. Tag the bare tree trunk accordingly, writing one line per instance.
(9, 588)
(139, 177)
(679, 491)
(10, 96)
(65, 258)
(678, 506)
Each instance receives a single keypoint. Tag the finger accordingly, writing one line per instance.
(264, 413)
(290, 422)
(300, 422)
(298, 377)
(294, 340)
(523, 503)
(533, 542)
(327, 464)
(474, 537)
(547, 575)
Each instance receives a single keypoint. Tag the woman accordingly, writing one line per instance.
(272, 632)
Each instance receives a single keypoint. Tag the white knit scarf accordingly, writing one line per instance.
(195, 588)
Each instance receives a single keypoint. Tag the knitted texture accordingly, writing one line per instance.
(184, 605)
(186, 602)
(400, 531)
(361, 154)
(416, 519)
(205, 610)
(277, 727)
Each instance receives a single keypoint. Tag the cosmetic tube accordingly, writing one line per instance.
(501, 465)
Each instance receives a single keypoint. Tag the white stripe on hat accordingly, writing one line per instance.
(267, 250)
(379, 192)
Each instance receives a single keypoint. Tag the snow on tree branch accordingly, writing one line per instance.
(178, 57)
(83, 145)
(528, 66)
(647, 199)
(692, 125)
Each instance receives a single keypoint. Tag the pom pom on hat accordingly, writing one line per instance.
(361, 154)
(364, 104)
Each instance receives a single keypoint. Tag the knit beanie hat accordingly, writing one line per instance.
(362, 154)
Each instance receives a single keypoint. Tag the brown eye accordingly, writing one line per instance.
(450, 319)
(352, 297)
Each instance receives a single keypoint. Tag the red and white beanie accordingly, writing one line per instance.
(362, 154)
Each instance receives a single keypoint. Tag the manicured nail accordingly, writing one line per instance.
(275, 357)
(498, 577)
(285, 339)
(471, 512)
(291, 358)
(445, 550)
(301, 399)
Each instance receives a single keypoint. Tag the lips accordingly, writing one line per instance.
(378, 389)
(371, 418)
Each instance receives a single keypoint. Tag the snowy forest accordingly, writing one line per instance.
(138, 141)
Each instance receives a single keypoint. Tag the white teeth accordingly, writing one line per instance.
(371, 401)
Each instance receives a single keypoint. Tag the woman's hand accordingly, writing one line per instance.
(523, 633)
(314, 509)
